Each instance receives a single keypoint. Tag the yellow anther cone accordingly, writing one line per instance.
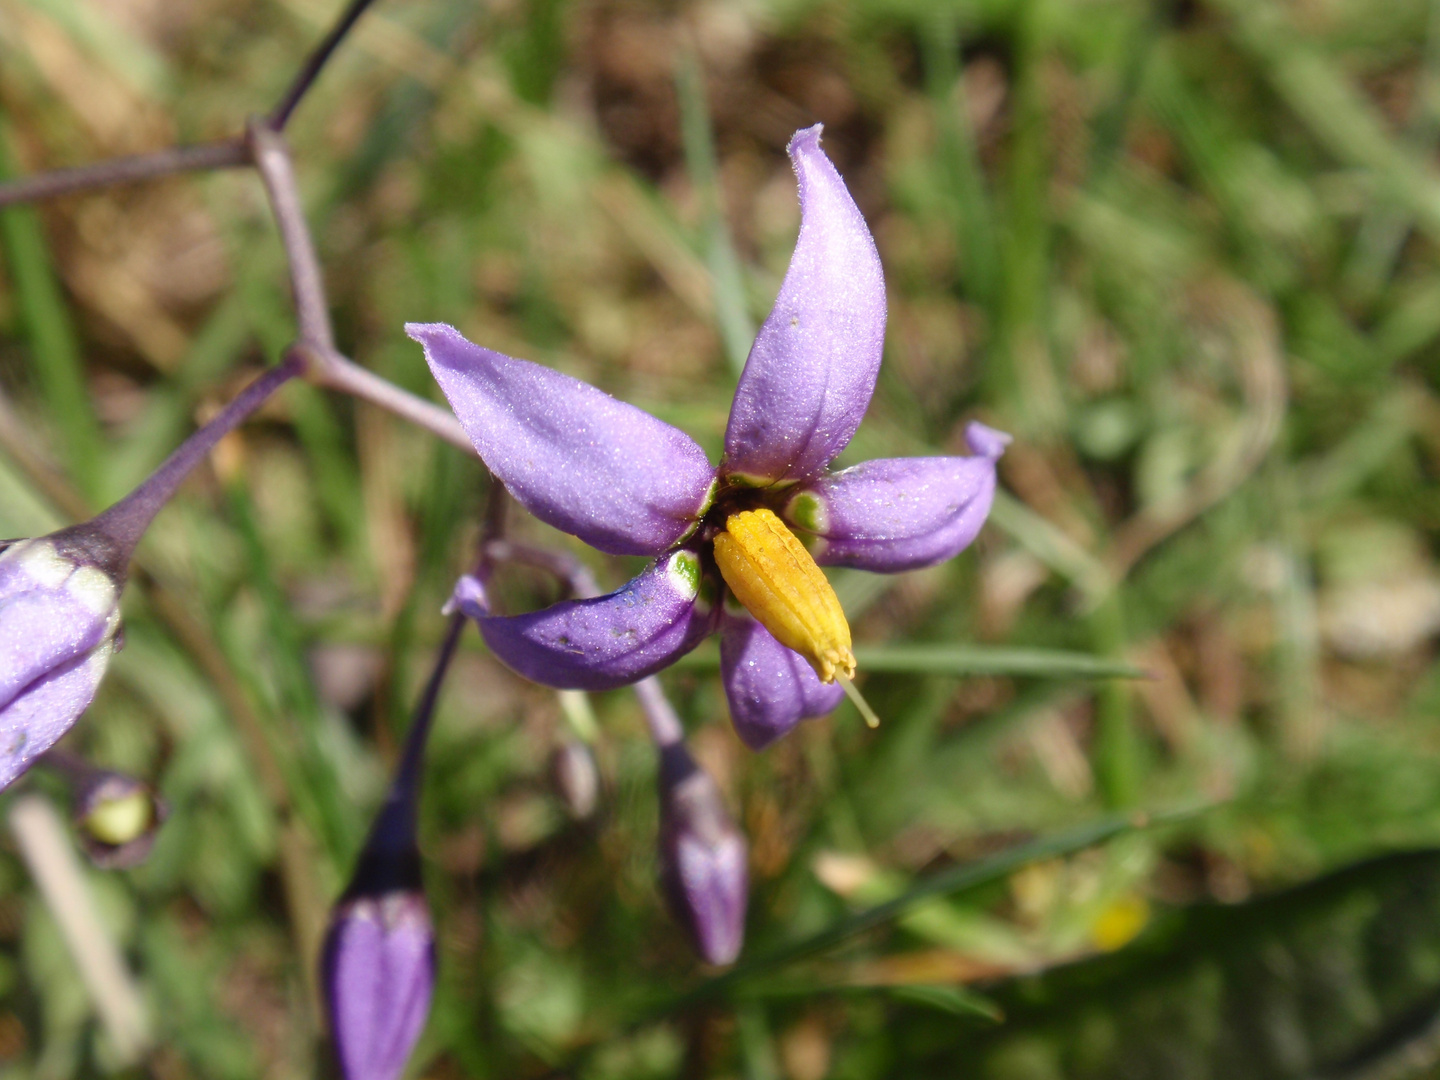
(772, 574)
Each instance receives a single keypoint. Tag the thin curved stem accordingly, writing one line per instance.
(226, 154)
(665, 727)
(272, 158)
(127, 520)
(390, 859)
(571, 571)
(334, 371)
(300, 85)
(406, 785)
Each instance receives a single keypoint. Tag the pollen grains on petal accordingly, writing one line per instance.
(770, 572)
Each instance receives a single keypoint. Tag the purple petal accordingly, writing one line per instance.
(900, 513)
(609, 641)
(36, 718)
(379, 974)
(576, 458)
(770, 688)
(812, 368)
(51, 613)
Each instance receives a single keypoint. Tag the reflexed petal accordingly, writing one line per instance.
(900, 513)
(612, 640)
(770, 688)
(32, 722)
(812, 369)
(576, 458)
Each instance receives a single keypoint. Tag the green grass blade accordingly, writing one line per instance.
(991, 660)
(965, 660)
(974, 216)
(732, 316)
(1339, 117)
(55, 355)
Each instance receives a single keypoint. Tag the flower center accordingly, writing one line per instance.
(772, 574)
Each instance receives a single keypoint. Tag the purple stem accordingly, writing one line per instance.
(126, 521)
(277, 171)
(390, 859)
(303, 81)
(226, 154)
(665, 727)
(74, 769)
(408, 774)
(573, 574)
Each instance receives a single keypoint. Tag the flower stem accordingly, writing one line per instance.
(665, 727)
(390, 859)
(407, 776)
(202, 157)
(307, 75)
(307, 284)
(126, 521)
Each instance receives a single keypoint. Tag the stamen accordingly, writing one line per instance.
(770, 572)
(858, 700)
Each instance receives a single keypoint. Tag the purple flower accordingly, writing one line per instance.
(59, 617)
(630, 484)
(703, 870)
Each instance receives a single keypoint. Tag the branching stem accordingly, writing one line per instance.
(226, 154)
(300, 86)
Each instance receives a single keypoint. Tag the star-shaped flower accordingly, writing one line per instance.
(726, 541)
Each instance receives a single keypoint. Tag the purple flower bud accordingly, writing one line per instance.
(60, 595)
(117, 818)
(702, 858)
(378, 968)
(59, 619)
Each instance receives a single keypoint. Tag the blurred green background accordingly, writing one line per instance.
(1188, 253)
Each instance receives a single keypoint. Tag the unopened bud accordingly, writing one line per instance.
(576, 777)
(116, 819)
(378, 968)
(702, 858)
(59, 616)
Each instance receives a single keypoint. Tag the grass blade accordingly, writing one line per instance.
(55, 355)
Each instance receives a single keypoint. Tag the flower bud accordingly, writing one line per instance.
(116, 819)
(576, 777)
(378, 968)
(59, 620)
(702, 858)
